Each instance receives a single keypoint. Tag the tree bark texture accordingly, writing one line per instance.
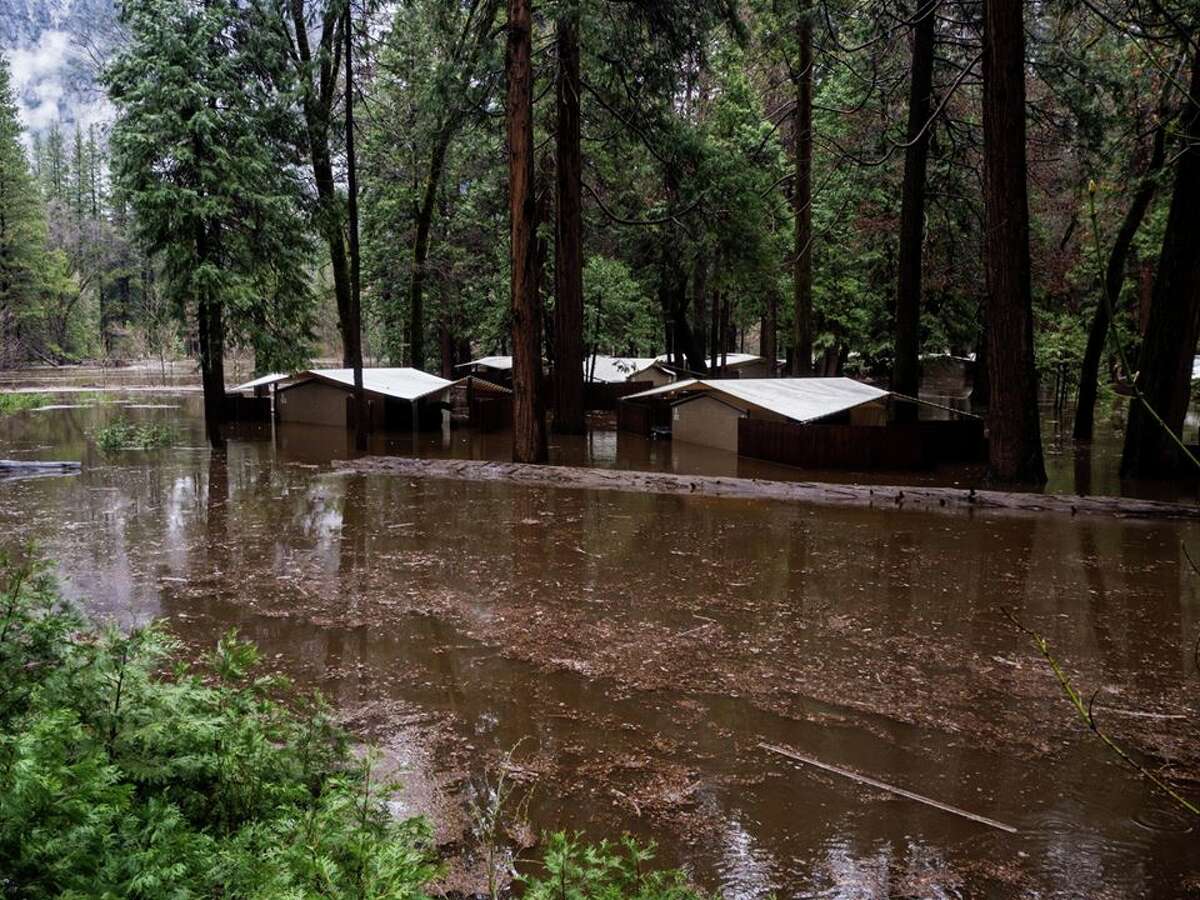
(353, 329)
(1014, 433)
(906, 371)
(1114, 280)
(529, 423)
(568, 247)
(416, 289)
(802, 332)
(1171, 330)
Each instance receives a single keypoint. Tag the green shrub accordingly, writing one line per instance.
(127, 773)
(124, 774)
(18, 402)
(125, 435)
(605, 871)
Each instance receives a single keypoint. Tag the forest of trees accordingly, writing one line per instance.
(844, 185)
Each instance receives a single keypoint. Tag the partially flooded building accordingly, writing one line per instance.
(396, 398)
(809, 422)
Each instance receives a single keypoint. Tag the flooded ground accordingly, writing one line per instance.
(637, 650)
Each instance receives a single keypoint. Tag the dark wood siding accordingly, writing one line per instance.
(837, 446)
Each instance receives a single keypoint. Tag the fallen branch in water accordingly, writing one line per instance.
(16, 466)
(1087, 712)
(937, 499)
(884, 786)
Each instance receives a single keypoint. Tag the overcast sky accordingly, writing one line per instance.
(53, 80)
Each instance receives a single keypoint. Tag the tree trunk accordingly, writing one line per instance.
(318, 110)
(446, 348)
(1167, 352)
(802, 337)
(568, 266)
(1114, 280)
(353, 328)
(906, 372)
(416, 290)
(1014, 434)
(210, 327)
(714, 340)
(700, 299)
(768, 345)
(529, 422)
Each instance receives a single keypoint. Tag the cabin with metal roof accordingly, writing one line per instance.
(396, 398)
(496, 369)
(813, 422)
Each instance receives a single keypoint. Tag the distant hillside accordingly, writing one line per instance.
(52, 47)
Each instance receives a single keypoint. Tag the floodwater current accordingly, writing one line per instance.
(637, 650)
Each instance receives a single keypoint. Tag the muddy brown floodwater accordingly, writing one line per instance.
(637, 649)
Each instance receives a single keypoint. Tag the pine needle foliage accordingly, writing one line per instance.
(575, 870)
(124, 773)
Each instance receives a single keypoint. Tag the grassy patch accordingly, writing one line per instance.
(18, 402)
(125, 435)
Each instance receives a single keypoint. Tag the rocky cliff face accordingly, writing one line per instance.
(55, 48)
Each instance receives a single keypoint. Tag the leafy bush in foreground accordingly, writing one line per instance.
(126, 435)
(123, 775)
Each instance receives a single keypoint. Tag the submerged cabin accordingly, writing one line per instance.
(606, 379)
(251, 401)
(496, 369)
(397, 398)
(723, 365)
(615, 369)
(946, 375)
(812, 422)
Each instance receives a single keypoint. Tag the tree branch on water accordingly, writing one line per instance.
(1086, 712)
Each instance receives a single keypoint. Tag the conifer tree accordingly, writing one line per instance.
(22, 226)
(203, 151)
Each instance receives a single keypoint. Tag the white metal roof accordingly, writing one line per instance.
(664, 389)
(403, 384)
(273, 378)
(799, 399)
(731, 359)
(500, 363)
(616, 369)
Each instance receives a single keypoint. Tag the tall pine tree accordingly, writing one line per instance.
(22, 228)
(203, 149)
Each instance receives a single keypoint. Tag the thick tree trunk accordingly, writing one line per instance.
(1114, 280)
(802, 336)
(353, 328)
(416, 290)
(529, 421)
(1014, 434)
(568, 248)
(1171, 331)
(906, 372)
